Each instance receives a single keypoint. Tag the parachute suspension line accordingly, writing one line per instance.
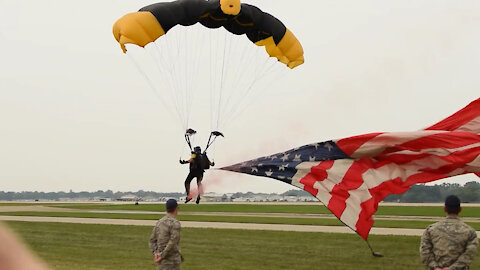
(234, 73)
(182, 72)
(215, 45)
(247, 60)
(221, 80)
(197, 49)
(210, 142)
(246, 91)
(241, 104)
(187, 139)
(186, 77)
(161, 70)
(278, 73)
(211, 139)
(230, 89)
(212, 92)
(177, 58)
(181, 147)
(152, 86)
(173, 51)
(161, 62)
(189, 79)
(214, 62)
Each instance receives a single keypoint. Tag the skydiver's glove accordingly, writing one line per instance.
(183, 161)
(213, 164)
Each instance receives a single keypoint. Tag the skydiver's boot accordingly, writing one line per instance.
(198, 199)
(187, 190)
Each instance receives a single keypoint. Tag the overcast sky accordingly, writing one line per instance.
(76, 114)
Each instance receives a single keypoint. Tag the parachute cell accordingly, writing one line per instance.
(263, 29)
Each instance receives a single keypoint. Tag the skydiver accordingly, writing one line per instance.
(198, 164)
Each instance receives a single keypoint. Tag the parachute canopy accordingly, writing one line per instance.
(153, 21)
(186, 49)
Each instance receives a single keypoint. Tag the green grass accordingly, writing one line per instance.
(266, 208)
(19, 204)
(76, 246)
(411, 224)
(262, 208)
(247, 208)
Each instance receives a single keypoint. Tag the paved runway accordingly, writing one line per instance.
(218, 225)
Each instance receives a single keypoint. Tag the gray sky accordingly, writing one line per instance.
(76, 114)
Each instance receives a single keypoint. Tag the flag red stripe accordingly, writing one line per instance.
(462, 156)
(441, 140)
(460, 118)
(365, 219)
(351, 180)
(317, 173)
(402, 158)
(349, 145)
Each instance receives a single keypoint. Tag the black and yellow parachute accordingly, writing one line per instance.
(199, 46)
(153, 21)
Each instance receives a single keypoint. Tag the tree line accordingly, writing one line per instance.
(470, 192)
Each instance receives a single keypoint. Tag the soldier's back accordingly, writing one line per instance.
(449, 238)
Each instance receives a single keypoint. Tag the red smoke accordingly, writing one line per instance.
(211, 179)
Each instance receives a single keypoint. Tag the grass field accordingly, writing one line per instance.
(261, 208)
(75, 246)
(412, 224)
(275, 208)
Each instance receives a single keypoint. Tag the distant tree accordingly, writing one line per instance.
(296, 192)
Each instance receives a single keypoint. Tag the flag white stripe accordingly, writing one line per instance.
(303, 169)
(334, 176)
(472, 126)
(441, 152)
(352, 211)
(378, 144)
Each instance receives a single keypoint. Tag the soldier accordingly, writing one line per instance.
(449, 244)
(199, 162)
(165, 239)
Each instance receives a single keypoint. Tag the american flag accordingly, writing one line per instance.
(352, 175)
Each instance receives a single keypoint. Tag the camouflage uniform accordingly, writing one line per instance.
(449, 243)
(165, 239)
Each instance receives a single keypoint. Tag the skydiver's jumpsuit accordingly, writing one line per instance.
(196, 171)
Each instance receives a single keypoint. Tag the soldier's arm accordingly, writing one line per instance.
(470, 251)
(210, 162)
(153, 240)
(426, 250)
(14, 255)
(173, 241)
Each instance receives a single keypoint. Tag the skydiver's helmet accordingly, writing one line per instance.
(197, 150)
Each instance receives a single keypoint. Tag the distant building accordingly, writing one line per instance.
(129, 198)
(226, 198)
